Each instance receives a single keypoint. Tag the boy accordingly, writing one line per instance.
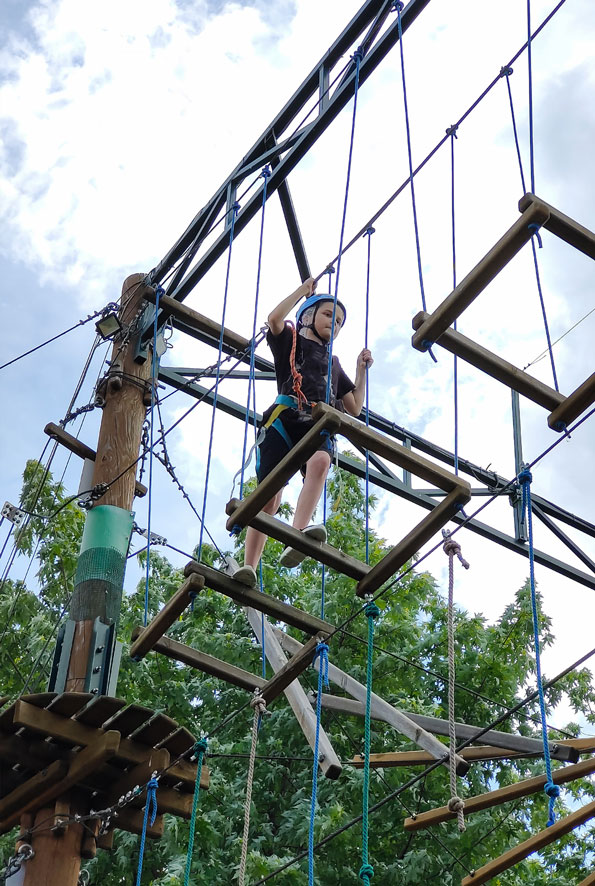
(301, 365)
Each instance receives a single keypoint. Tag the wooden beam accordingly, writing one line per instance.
(295, 695)
(563, 226)
(588, 881)
(284, 471)
(323, 553)
(390, 715)
(291, 670)
(573, 405)
(502, 795)
(533, 844)
(137, 776)
(197, 321)
(495, 366)
(390, 760)
(131, 820)
(368, 438)
(482, 274)
(77, 447)
(166, 616)
(413, 541)
(507, 740)
(206, 663)
(19, 798)
(245, 596)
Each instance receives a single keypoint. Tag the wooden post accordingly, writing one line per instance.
(57, 859)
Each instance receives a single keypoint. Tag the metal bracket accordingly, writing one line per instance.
(59, 670)
(13, 514)
(100, 668)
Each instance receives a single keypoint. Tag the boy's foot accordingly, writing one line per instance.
(246, 575)
(290, 557)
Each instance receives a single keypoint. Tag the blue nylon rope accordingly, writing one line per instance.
(251, 379)
(366, 871)
(158, 292)
(264, 661)
(453, 134)
(150, 809)
(552, 790)
(357, 56)
(322, 653)
(535, 228)
(234, 213)
(530, 78)
(368, 234)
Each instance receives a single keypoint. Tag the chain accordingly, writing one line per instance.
(14, 864)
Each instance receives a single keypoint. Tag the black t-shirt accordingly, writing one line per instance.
(311, 361)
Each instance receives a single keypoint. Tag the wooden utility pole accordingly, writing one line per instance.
(126, 392)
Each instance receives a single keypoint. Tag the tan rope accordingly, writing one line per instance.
(456, 804)
(259, 705)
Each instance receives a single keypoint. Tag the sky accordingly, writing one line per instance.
(117, 126)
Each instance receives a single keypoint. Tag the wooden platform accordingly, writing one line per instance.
(51, 744)
(248, 512)
(434, 328)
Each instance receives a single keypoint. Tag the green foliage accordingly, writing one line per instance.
(495, 661)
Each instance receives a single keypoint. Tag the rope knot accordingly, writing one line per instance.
(534, 228)
(322, 651)
(200, 746)
(236, 529)
(456, 804)
(259, 704)
(266, 171)
(397, 6)
(358, 55)
(525, 476)
(506, 71)
(452, 130)
(371, 610)
(453, 549)
(369, 231)
(552, 790)
(366, 872)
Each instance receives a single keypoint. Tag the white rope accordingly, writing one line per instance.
(260, 706)
(456, 803)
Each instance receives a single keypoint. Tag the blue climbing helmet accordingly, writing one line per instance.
(314, 301)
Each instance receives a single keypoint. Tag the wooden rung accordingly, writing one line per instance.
(495, 366)
(29, 790)
(323, 553)
(196, 321)
(245, 596)
(477, 754)
(533, 844)
(205, 663)
(360, 435)
(137, 775)
(563, 226)
(291, 671)
(82, 450)
(502, 795)
(419, 535)
(284, 471)
(166, 616)
(573, 405)
(477, 279)
(506, 740)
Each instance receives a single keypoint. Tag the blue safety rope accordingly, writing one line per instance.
(453, 134)
(357, 57)
(251, 378)
(322, 653)
(366, 871)
(368, 234)
(264, 661)
(234, 213)
(530, 79)
(150, 810)
(159, 291)
(199, 751)
(533, 227)
(552, 790)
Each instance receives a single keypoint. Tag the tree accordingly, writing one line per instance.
(496, 661)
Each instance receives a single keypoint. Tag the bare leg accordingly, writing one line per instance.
(255, 540)
(317, 468)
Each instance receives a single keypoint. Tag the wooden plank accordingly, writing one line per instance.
(165, 618)
(391, 715)
(476, 754)
(297, 456)
(323, 553)
(295, 695)
(75, 733)
(6, 719)
(206, 663)
(437, 726)
(84, 763)
(69, 703)
(297, 618)
(573, 406)
(291, 670)
(563, 226)
(99, 711)
(129, 719)
(533, 844)
(368, 438)
(588, 881)
(16, 750)
(495, 366)
(178, 742)
(197, 321)
(502, 795)
(131, 820)
(106, 841)
(82, 450)
(89, 841)
(413, 541)
(482, 274)
(37, 784)
(158, 728)
(138, 775)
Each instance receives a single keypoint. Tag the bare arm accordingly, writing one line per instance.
(354, 400)
(276, 318)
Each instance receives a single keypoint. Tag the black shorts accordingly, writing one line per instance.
(276, 443)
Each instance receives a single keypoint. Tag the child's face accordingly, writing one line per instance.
(323, 321)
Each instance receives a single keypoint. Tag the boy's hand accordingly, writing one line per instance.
(364, 360)
(307, 288)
